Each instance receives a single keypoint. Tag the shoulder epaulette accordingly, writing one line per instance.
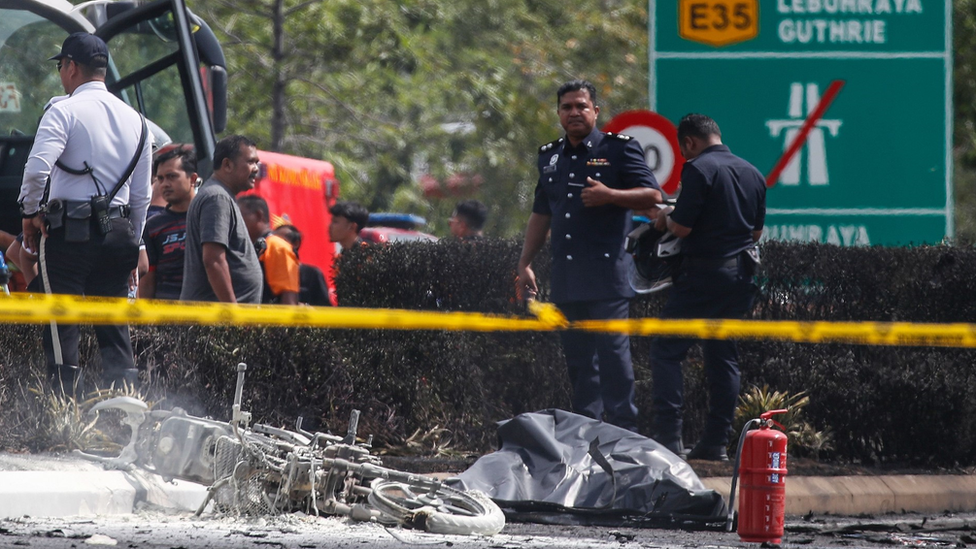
(550, 145)
(619, 136)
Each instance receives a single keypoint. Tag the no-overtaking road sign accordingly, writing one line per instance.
(877, 167)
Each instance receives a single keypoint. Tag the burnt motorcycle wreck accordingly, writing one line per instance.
(259, 469)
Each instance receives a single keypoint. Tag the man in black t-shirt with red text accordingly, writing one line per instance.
(165, 234)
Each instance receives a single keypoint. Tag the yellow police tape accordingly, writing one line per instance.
(68, 309)
(41, 309)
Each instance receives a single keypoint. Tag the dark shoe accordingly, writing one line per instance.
(674, 446)
(128, 377)
(708, 453)
(669, 436)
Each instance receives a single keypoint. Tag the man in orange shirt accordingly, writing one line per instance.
(314, 291)
(278, 259)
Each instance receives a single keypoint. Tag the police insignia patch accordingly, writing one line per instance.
(549, 146)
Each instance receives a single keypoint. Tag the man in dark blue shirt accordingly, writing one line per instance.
(719, 216)
(589, 181)
(165, 233)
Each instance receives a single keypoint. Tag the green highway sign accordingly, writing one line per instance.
(877, 167)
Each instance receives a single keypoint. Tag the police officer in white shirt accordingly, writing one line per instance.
(85, 221)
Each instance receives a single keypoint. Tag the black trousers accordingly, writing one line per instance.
(701, 292)
(600, 368)
(99, 267)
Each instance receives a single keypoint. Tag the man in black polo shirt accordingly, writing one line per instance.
(719, 216)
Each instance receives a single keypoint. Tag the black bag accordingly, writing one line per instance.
(77, 221)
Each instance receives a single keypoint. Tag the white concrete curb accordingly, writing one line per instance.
(854, 495)
(65, 493)
(86, 493)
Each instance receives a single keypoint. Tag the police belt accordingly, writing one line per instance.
(116, 212)
(60, 209)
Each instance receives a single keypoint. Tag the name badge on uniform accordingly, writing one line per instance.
(552, 164)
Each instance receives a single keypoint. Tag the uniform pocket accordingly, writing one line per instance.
(77, 221)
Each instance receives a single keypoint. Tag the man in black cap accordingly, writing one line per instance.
(96, 151)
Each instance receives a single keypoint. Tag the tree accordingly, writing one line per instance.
(380, 88)
(265, 63)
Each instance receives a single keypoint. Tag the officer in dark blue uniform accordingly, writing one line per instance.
(588, 183)
(719, 216)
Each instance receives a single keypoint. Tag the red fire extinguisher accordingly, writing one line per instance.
(761, 461)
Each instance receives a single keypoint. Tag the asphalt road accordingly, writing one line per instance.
(155, 529)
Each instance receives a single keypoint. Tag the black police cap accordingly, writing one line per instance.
(82, 47)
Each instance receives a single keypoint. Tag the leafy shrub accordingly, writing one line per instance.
(802, 438)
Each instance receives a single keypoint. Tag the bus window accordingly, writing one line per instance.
(149, 76)
(27, 79)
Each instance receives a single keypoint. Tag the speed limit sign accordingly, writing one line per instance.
(659, 138)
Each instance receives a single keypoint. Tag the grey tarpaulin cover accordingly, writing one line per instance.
(558, 467)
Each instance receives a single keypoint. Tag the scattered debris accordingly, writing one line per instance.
(250, 534)
(101, 539)
(621, 537)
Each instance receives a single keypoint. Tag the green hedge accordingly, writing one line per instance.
(884, 405)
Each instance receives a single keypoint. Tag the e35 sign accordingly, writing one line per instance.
(718, 22)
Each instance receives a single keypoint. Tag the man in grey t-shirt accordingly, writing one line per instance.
(220, 263)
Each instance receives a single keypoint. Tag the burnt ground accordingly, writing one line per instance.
(936, 530)
(150, 528)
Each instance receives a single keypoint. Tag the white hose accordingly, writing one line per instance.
(735, 472)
